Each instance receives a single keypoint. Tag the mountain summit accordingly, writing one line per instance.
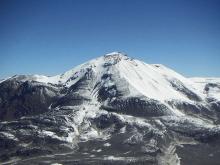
(111, 109)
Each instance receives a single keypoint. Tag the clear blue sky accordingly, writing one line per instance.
(51, 36)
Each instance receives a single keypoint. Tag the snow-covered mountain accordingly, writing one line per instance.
(113, 109)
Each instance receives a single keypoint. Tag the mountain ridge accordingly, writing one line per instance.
(112, 109)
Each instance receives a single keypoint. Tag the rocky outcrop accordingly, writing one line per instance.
(18, 99)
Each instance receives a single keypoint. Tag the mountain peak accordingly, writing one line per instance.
(116, 102)
(114, 57)
(116, 53)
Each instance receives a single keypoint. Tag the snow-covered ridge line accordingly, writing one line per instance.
(111, 105)
(2, 80)
(154, 81)
(205, 79)
(210, 86)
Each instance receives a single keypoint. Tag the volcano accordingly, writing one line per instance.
(111, 110)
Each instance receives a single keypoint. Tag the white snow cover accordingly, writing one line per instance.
(201, 82)
(150, 80)
(2, 80)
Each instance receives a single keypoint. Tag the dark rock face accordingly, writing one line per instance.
(179, 86)
(201, 154)
(110, 87)
(208, 86)
(19, 98)
(138, 107)
(215, 106)
(196, 109)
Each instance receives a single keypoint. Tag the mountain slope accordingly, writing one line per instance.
(110, 109)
